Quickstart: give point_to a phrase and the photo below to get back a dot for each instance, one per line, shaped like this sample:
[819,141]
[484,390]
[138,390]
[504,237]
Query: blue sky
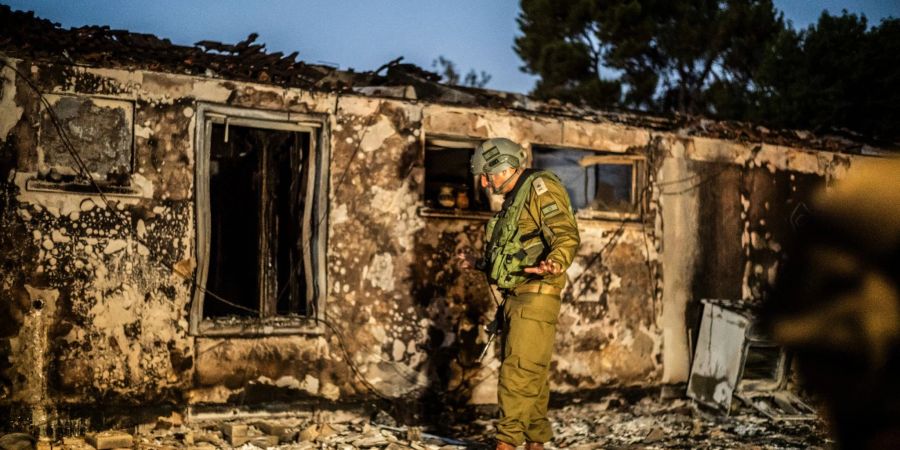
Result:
[364,34]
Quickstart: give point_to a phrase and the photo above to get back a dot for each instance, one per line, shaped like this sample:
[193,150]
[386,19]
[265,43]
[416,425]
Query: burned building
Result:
[257,228]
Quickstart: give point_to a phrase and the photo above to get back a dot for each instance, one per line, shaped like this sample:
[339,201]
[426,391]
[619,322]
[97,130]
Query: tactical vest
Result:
[508,251]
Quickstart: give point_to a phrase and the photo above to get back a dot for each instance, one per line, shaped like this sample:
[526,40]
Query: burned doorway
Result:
[257,237]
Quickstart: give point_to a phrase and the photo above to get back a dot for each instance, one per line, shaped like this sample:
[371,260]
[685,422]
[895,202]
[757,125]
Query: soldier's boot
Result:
[504,446]
[534,445]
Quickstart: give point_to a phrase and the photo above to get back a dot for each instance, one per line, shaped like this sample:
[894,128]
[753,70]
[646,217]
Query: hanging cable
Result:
[83,169]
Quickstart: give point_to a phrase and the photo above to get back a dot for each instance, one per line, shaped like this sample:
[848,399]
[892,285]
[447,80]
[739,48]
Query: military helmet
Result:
[494,155]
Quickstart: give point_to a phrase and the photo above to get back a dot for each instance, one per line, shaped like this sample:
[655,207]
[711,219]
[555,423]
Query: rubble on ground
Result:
[621,419]
[651,423]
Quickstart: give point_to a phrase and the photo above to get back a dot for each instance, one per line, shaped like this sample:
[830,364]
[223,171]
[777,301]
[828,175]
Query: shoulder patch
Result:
[550,210]
[539,186]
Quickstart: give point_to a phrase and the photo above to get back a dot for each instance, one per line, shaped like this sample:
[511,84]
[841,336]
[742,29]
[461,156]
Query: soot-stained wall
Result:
[729,213]
[94,305]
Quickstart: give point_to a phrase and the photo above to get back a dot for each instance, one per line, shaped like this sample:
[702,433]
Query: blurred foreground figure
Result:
[837,304]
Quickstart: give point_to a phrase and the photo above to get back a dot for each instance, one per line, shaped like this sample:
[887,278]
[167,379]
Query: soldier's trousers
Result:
[524,388]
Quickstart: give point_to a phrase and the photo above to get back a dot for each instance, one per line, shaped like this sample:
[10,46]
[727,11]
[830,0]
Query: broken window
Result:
[598,184]
[100,130]
[257,203]
[449,183]
[764,362]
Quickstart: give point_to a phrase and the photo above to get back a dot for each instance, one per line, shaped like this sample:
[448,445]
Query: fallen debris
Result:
[236,433]
[734,359]
[109,439]
[415,434]
[74,442]
[636,418]
[173,420]
[17,441]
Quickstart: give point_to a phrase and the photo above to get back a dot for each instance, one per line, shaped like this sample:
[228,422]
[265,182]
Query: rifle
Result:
[495,326]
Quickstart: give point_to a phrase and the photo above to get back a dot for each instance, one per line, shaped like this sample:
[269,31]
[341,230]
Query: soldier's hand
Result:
[546,267]
[465,260]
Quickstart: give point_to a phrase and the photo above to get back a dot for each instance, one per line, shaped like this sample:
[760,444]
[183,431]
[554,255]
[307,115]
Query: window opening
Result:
[595,182]
[234,217]
[449,184]
[258,245]
[614,187]
[257,197]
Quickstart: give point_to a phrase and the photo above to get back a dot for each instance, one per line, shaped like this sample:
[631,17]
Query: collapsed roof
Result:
[26,36]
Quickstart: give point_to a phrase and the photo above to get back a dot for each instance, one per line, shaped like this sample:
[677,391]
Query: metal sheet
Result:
[718,358]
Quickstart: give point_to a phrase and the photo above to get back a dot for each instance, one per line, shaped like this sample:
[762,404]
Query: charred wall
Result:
[93,306]
[719,191]
[730,214]
[775,206]
[96,313]
[608,329]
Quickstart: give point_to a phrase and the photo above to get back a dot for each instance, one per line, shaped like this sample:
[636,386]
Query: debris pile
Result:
[618,421]
[300,430]
[645,419]
[25,35]
[639,418]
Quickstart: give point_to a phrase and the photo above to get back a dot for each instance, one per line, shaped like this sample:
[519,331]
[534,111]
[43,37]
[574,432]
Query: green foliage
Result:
[731,59]
[450,75]
[656,54]
[560,44]
[837,74]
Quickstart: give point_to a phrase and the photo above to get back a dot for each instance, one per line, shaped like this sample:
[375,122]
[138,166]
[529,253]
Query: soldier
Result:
[529,245]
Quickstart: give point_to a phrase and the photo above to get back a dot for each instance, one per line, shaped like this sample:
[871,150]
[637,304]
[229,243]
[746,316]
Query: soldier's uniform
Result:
[536,224]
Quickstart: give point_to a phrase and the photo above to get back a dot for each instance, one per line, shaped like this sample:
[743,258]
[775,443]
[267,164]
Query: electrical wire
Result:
[651,281]
[85,172]
[610,244]
[617,233]
[688,178]
[359,138]
[703,180]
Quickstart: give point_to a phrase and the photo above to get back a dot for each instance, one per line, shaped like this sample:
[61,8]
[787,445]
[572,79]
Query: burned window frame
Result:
[431,140]
[71,180]
[639,180]
[314,229]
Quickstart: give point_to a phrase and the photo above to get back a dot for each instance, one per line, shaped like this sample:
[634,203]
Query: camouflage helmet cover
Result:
[494,155]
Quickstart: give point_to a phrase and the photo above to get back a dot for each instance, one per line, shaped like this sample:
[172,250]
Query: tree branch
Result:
[595,51]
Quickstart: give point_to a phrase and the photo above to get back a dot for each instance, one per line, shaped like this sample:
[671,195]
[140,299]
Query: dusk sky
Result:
[363,35]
